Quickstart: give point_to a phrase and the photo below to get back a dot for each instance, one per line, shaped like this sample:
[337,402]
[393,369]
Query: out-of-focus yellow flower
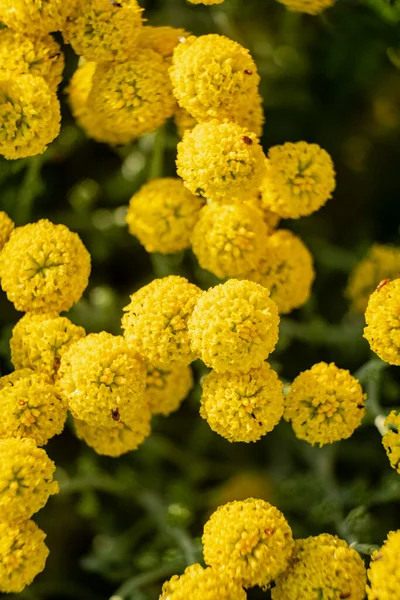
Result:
[383,322]
[35,17]
[312,7]
[183,121]
[161,39]
[202,584]
[391,440]
[209,2]
[167,388]
[6,227]
[384,573]
[242,485]
[118,439]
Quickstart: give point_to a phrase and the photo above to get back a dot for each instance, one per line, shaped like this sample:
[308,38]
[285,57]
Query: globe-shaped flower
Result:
[221,161]
[6,227]
[248,540]
[30,407]
[391,439]
[161,39]
[44,267]
[23,555]
[156,321]
[26,478]
[300,178]
[325,404]
[103,381]
[383,322]
[162,215]
[166,389]
[322,567]
[35,18]
[234,326]
[312,7]
[29,115]
[117,440]
[383,573]
[202,584]
[242,407]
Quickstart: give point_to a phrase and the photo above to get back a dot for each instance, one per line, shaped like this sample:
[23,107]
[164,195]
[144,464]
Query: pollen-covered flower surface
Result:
[197,583]
[234,326]
[383,322]
[391,440]
[44,267]
[242,407]
[167,388]
[300,178]
[325,404]
[6,227]
[322,567]
[35,17]
[162,39]
[383,572]
[23,554]
[311,7]
[118,439]
[249,540]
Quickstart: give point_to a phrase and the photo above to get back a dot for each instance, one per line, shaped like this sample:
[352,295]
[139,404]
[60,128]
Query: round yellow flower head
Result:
[202,584]
[44,267]
[221,161]
[286,269]
[161,39]
[30,407]
[391,439]
[322,567]
[101,30]
[311,7]
[242,407]
[134,97]
[228,240]
[249,540]
[39,341]
[117,440]
[35,18]
[166,389]
[300,178]
[6,227]
[381,262]
[156,321]
[213,77]
[162,215]
[103,381]
[384,573]
[29,115]
[23,555]
[183,121]
[241,485]
[383,321]
[26,478]
[325,404]
[234,326]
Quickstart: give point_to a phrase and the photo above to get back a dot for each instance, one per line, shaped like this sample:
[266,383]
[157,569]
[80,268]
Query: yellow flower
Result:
[23,555]
[183,121]
[167,388]
[35,17]
[300,178]
[286,269]
[234,326]
[242,407]
[202,584]
[383,322]
[162,215]
[30,407]
[156,321]
[249,540]
[6,227]
[209,2]
[29,115]
[228,240]
[325,404]
[391,440]
[161,39]
[26,478]
[101,30]
[44,267]
[242,485]
[384,573]
[271,219]
[39,341]
[381,262]
[117,440]
[103,381]
[312,7]
[221,161]
[322,567]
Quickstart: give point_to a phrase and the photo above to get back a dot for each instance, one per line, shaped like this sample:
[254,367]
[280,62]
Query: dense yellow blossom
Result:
[39,341]
[161,39]
[118,439]
[221,161]
[134,97]
[286,269]
[44,267]
[322,567]
[101,30]
[35,17]
[234,326]
[271,219]
[300,178]
[30,407]
[242,407]
[312,7]
[162,215]
[228,240]
[103,381]
[381,262]
[23,555]
[6,227]
[249,540]
[202,584]
[391,439]
[156,321]
[384,572]
[26,478]
[383,322]
[29,115]
[167,388]
[325,404]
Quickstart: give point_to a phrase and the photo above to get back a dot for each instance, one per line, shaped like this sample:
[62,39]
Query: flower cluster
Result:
[383,321]
[383,573]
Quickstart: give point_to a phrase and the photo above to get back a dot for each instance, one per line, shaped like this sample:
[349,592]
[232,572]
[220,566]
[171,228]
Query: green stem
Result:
[135,583]
[367,549]
[28,190]
[157,156]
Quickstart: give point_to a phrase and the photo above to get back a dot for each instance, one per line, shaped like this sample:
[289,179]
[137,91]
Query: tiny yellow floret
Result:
[391,440]
[383,322]
[197,583]
[384,572]
[117,440]
[166,389]
[35,17]
[6,227]
[311,7]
